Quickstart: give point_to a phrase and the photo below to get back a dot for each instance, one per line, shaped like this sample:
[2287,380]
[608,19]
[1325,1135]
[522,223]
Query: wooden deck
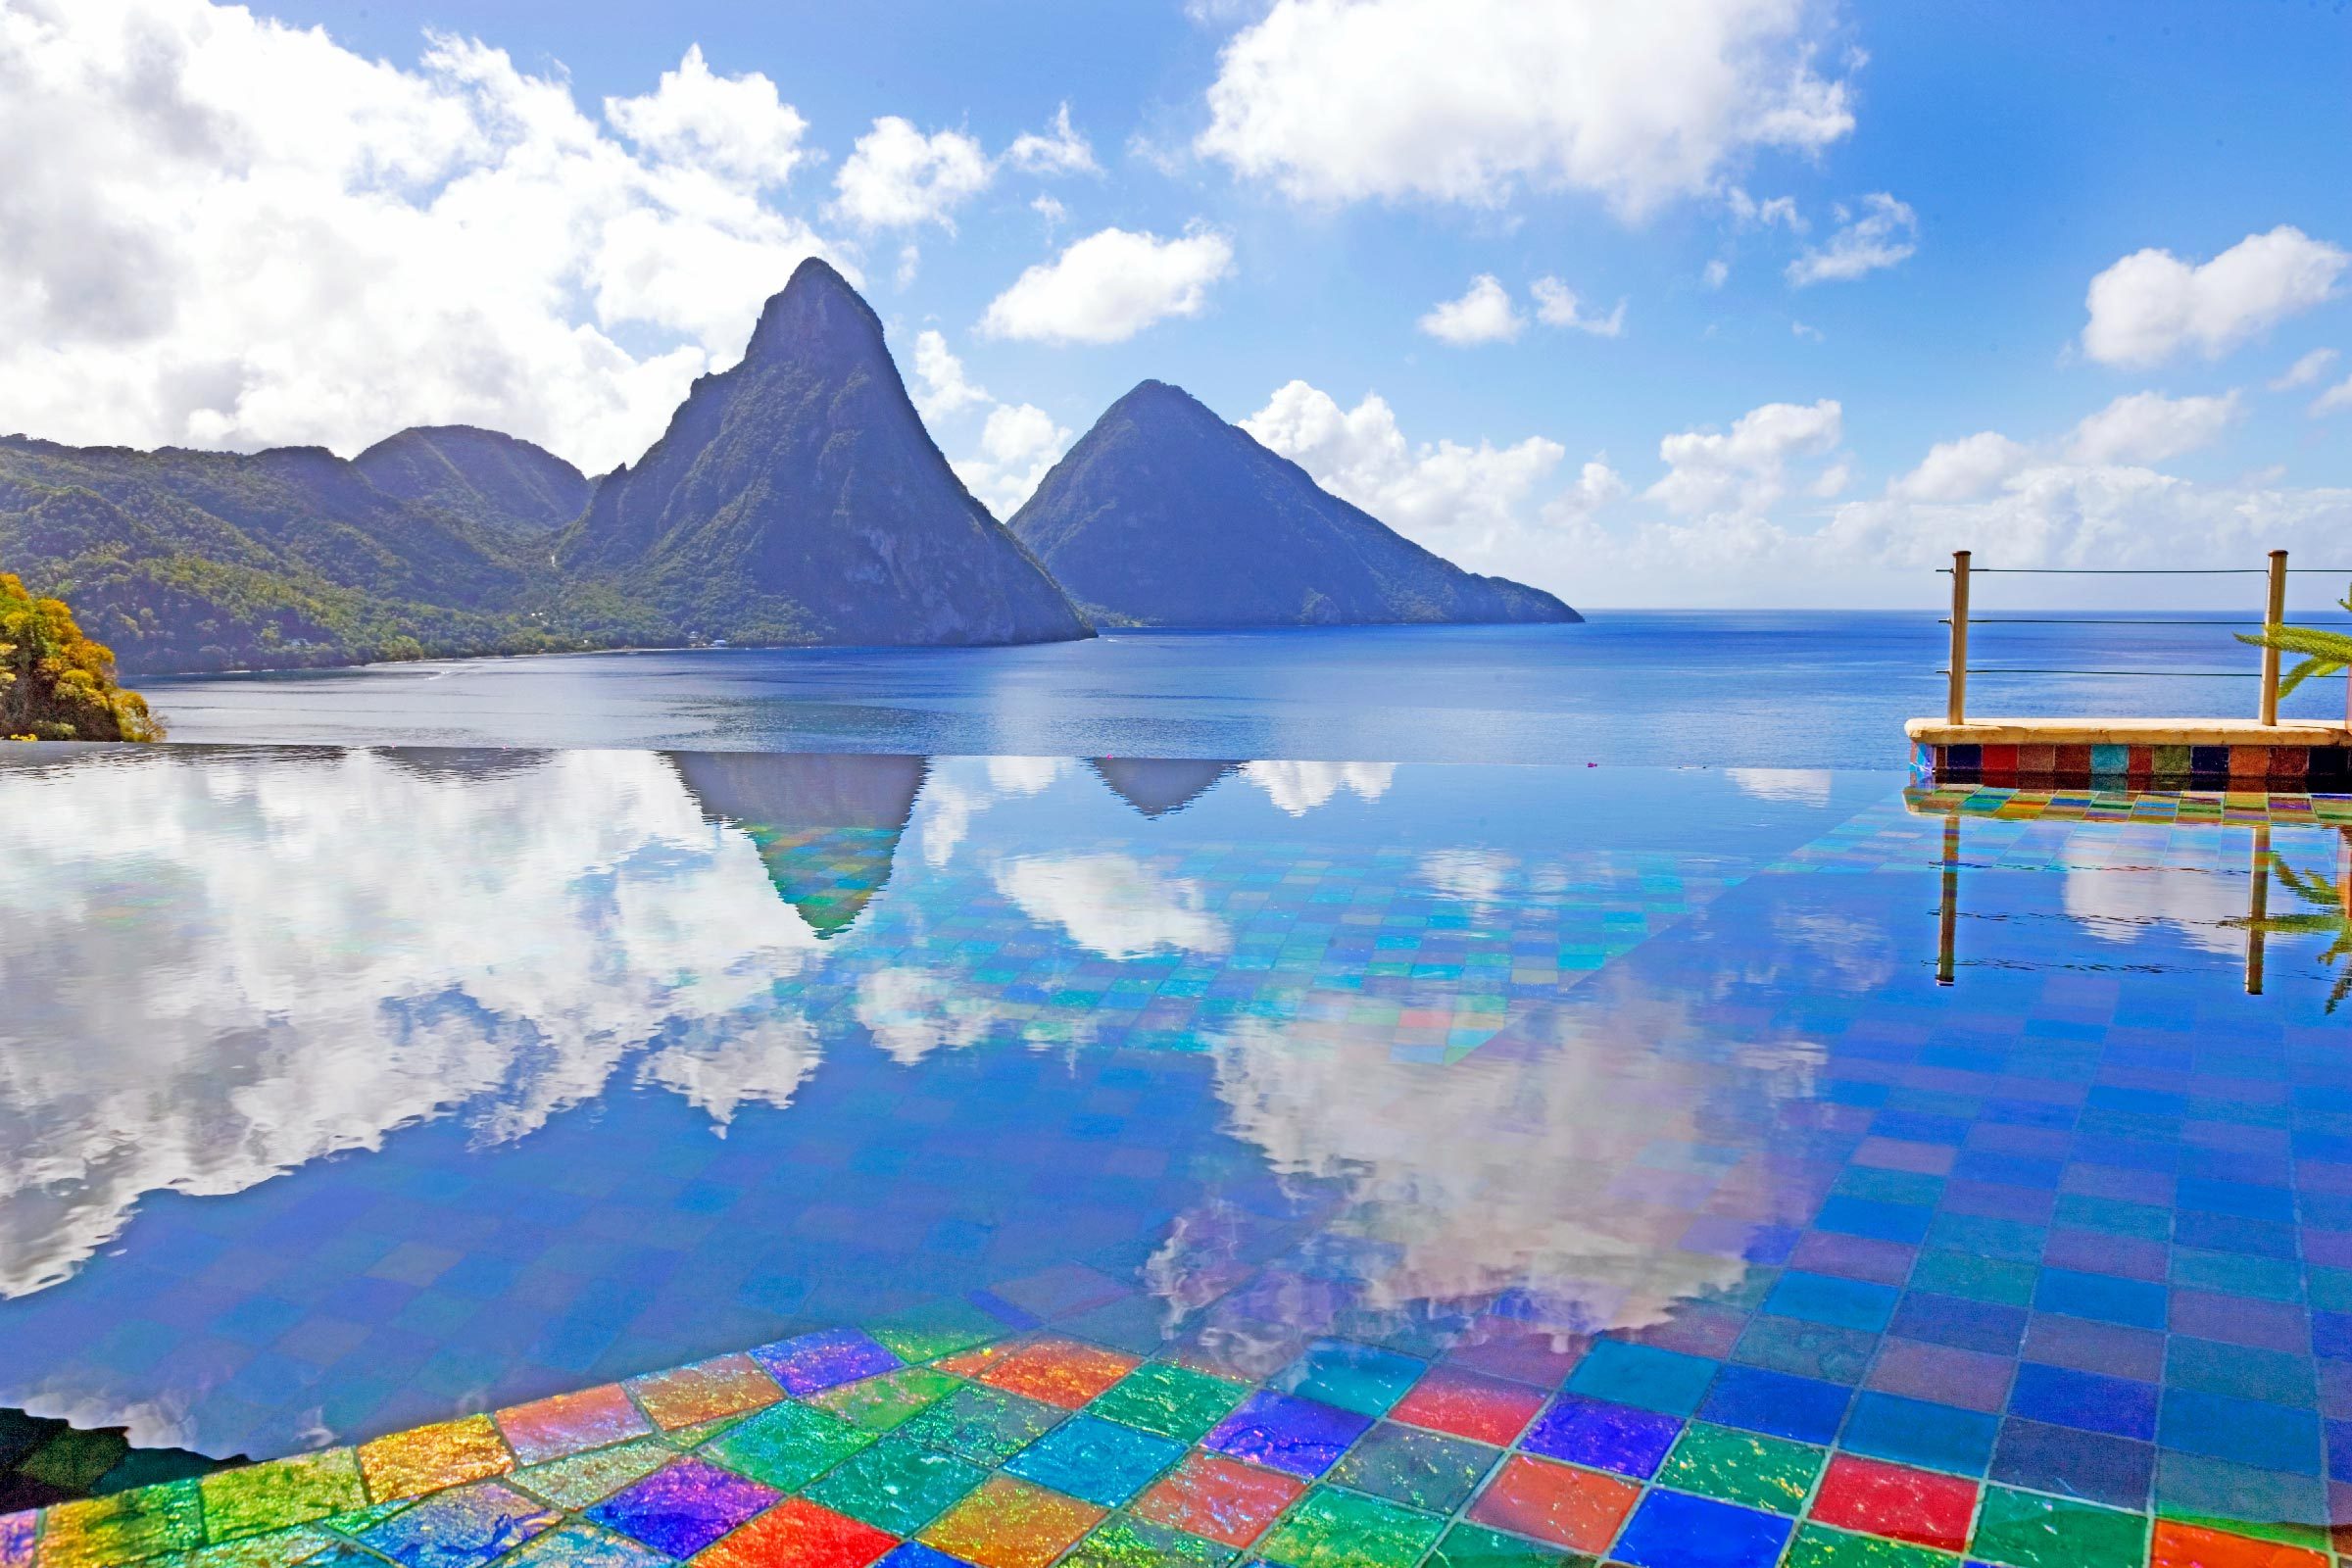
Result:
[2125,732]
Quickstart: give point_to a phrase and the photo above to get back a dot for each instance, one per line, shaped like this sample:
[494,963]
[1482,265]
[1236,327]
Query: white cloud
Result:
[911,262]
[1556,304]
[1052,212]
[1466,100]
[226,231]
[1963,470]
[1482,315]
[1061,150]
[1746,471]
[1298,788]
[898,177]
[2305,370]
[1018,447]
[1459,500]
[1748,213]
[1717,274]
[2151,305]
[1885,235]
[2149,428]
[1800,329]
[1109,287]
[2335,400]
[942,388]
[731,124]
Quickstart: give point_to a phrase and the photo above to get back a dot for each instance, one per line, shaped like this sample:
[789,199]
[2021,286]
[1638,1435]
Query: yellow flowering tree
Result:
[57,684]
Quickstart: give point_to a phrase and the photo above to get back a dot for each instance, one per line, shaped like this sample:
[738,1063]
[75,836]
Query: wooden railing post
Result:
[1955,706]
[2273,619]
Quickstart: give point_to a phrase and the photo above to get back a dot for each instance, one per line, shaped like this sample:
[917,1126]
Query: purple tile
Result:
[814,1362]
[2109,1349]
[1303,1436]
[1855,1258]
[16,1539]
[1603,1436]
[1942,1374]
[2251,1321]
[2101,1254]
[683,1508]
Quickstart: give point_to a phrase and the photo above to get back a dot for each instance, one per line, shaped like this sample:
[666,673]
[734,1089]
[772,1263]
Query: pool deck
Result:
[2125,732]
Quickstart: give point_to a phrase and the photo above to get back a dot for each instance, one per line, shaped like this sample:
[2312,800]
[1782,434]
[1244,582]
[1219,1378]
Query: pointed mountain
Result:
[827,828]
[504,484]
[797,498]
[1159,785]
[1163,514]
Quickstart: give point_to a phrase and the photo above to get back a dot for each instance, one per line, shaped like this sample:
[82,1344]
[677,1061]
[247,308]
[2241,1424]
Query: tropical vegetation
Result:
[56,684]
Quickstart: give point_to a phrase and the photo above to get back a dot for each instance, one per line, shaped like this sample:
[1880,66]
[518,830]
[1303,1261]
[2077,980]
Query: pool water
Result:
[1131,1161]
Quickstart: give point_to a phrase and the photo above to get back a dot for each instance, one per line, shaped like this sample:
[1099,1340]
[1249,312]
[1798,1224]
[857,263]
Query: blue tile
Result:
[2062,1396]
[1826,1299]
[1674,1530]
[2248,1432]
[2073,1463]
[1776,1403]
[2102,1298]
[1098,1460]
[1960,1323]
[1915,1432]
[1602,1436]
[1643,1375]
[1886,1222]
[462,1528]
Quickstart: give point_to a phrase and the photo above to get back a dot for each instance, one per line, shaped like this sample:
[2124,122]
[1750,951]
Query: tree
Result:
[57,684]
[2324,652]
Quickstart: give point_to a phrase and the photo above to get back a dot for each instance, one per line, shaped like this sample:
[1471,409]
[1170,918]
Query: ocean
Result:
[1656,688]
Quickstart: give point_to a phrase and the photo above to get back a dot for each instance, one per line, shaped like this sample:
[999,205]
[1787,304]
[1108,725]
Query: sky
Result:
[1691,303]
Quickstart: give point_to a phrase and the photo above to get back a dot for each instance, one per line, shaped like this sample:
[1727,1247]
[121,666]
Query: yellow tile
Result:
[410,1464]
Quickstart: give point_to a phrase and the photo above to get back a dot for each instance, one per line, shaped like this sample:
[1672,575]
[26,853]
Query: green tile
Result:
[895,1484]
[2331,1289]
[983,1425]
[1889,1186]
[1805,1350]
[1172,1401]
[1976,1277]
[579,1479]
[1122,1542]
[1423,1470]
[2194,1485]
[1820,1546]
[1469,1547]
[122,1528]
[1740,1467]
[280,1494]
[941,1328]
[787,1445]
[2025,1529]
[1333,1529]
[879,1404]
[271,1549]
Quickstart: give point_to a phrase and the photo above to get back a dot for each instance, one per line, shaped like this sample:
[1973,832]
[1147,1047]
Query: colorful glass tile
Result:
[1423,1470]
[1175,1402]
[1100,1461]
[1226,1502]
[1334,1529]
[1603,1436]
[462,1527]
[1285,1433]
[1742,1468]
[1556,1502]
[787,1445]
[1011,1524]
[683,1508]
[801,1535]
[1481,1409]
[1676,1529]
[823,1359]
[1885,1500]
[1062,1372]
[878,1404]
[724,1386]
[280,1494]
[566,1423]
[895,1484]
[410,1464]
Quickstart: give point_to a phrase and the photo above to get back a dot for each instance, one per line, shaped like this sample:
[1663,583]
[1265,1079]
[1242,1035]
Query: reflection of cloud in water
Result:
[1560,1164]
[1800,786]
[955,796]
[1114,904]
[1299,787]
[219,968]
[1476,878]
[2115,895]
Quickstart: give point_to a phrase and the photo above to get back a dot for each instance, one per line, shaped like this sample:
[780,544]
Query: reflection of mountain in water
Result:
[826,827]
[1156,786]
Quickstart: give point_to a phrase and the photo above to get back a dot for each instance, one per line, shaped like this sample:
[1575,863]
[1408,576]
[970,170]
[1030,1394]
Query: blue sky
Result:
[1295,204]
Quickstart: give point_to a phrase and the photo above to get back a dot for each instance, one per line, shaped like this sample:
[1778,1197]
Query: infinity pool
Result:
[1148,1161]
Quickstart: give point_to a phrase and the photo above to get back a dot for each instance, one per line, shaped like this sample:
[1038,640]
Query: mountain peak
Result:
[816,304]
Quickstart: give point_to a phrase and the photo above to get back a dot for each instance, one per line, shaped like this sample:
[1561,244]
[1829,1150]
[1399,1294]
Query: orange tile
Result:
[799,1533]
[1059,1372]
[687,1395]
[1011,1524]
[410,1464]
[1220,1498]
[1572,1508]
[571,1423]
[2179,1545]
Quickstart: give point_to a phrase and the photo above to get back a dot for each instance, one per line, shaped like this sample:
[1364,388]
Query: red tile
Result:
[1059,1372]
[2040,760]
[2179,1545]
[1566,1507]
[2140,760]
[1889,1500]
[2074,762]
[2290,761]
[1219,1498]
[2000,760]
[799,1533]
[1468,1406]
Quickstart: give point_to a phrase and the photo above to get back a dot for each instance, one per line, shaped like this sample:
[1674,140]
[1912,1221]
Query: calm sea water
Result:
[1792,689]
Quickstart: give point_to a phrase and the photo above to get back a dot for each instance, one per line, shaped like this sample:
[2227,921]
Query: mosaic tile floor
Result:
[1931,1185]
